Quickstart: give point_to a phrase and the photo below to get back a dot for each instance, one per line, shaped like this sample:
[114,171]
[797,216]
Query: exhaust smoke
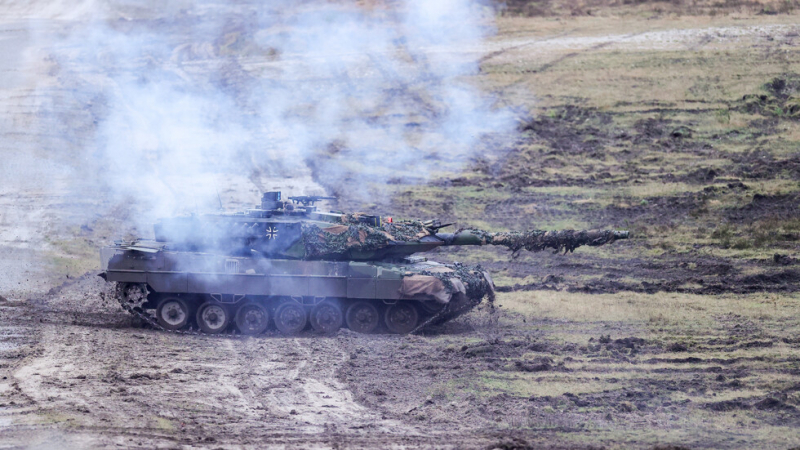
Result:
[163,109]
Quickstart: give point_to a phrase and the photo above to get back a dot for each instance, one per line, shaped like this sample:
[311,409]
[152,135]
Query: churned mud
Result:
[77,371]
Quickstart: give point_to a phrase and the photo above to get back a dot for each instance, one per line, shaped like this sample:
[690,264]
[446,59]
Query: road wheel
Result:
[172,313]
[363,317]
[327,317]
[252,319]
[212,317]
[290,318]
[401,318]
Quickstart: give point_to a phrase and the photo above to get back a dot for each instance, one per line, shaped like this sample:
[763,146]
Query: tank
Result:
[289,265]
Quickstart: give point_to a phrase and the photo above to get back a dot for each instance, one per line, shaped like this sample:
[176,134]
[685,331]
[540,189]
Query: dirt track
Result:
[79,373]
[99,375]
[76,372]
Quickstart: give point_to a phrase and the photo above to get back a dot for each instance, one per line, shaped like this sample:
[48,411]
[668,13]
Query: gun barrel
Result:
[621,234]
[535,240]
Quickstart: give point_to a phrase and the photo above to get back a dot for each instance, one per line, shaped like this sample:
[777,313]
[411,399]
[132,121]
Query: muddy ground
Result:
[678,126]
[79,373]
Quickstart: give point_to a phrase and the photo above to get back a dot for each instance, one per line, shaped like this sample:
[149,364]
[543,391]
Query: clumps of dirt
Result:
[784,281]
[761,165]
[665,133]
[570,129]
[553,139]
[785,260]
[549,8]
[691,273]
[510,443]
[539,364]
[703,175]
[762,207]
[677,347]
[653,211]
[738,185]
[619,348]
[765,404]
[550,283]
[783,278]
[728,405]
[496,348]
[673,136]
[781,100]
[565,132]
[772,404]
[756,344]
[444,382]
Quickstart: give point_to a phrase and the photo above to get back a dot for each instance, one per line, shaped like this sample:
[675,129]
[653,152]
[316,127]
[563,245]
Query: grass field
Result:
[683,127]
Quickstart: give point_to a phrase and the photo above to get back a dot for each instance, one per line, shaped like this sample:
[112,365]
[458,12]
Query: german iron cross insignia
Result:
[272,233]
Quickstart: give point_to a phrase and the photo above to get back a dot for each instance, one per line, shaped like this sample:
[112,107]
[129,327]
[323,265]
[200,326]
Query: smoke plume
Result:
[165,106]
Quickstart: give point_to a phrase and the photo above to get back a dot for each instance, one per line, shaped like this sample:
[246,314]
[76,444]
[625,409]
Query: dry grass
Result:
[527,385]
[660,308]
[645,8]
[630,69]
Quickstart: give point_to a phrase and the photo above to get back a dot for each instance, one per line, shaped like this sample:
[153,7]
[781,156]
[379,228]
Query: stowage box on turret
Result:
[288,264]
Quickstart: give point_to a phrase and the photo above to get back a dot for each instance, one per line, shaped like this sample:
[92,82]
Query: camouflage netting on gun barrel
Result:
[339,239]
[538,240]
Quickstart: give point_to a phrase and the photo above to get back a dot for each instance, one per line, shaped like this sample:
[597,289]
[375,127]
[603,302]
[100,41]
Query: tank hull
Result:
[405,295]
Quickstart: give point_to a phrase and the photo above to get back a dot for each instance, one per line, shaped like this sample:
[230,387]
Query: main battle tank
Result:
[287,263]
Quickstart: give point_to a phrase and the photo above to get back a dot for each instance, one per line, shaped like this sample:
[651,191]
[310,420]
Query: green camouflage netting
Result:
[353,235]
[474,278]
[339,239]
[538,240]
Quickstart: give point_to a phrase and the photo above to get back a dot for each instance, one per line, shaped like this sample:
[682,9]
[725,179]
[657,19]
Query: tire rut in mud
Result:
[116,384]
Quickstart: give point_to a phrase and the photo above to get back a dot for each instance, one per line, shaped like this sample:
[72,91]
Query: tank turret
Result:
[297,230]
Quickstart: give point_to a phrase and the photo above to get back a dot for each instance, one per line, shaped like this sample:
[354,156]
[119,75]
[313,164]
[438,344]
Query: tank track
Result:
[135,309]
[142,315]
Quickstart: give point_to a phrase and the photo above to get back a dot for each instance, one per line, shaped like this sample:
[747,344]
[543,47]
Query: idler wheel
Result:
[134,295]
[290,318]
[431,307]
[362,317]
[172,313]
[212,317]
[401,318]
[327,317]
[252,319]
